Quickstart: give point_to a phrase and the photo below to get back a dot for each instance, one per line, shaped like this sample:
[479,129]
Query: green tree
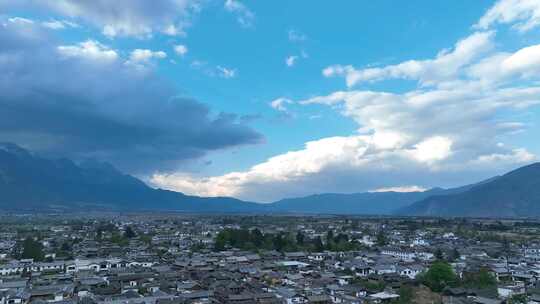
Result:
[518,299]
[147,239]
[454,255]
[406,294]
[300,238]
[32,250]
[439,275]
[257,238]
[330,236]
[221,240]
[318,244]
[381,238]
[129,233]
[330,240]
[118,239]
[439,254]
[482,279]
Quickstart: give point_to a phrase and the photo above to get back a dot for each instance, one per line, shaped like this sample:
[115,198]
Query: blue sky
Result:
[401,95]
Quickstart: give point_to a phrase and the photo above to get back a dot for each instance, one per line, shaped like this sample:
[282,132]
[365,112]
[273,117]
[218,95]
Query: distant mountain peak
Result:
[514,194]
[32,183]
[92,163]
[531,168]
[14,149]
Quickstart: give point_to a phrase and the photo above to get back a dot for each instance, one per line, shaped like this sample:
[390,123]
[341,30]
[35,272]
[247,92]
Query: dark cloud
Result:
[135,18]
[94,106]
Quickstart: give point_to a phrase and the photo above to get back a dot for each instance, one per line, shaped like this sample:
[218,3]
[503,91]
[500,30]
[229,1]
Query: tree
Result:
[32,250]
[257,237]
[300,238]
[518,299]
[439,275]
[129,233]
[330,240]
[66,247]
[454,255]
[318,244]
[147,239]
[221,240]
[439,254]
[406,294]
[482,279]
[381,238]
[278,242]
[330,236]
[118,239]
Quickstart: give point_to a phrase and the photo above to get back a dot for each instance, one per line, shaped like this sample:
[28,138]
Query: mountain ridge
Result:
[32,183]
[28,182]
[514,194]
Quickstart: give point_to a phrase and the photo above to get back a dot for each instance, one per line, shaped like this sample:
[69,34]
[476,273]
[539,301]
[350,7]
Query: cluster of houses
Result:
[163,265]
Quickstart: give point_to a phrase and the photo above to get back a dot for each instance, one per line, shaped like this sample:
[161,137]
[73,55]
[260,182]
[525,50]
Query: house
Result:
[402,254]
[381,269]
[410,271]
[507,291]
[319,299]
[290,296]
[15,267]
[383,297]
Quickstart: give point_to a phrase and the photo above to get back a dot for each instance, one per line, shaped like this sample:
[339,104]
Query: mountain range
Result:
[32,183]
[29,183]
[515,194]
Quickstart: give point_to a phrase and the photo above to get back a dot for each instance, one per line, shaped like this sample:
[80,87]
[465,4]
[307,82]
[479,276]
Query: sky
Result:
[263,100]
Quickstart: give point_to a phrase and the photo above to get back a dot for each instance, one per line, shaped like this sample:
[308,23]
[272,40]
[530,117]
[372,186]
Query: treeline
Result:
[440,275]
[111,233]
[254,239]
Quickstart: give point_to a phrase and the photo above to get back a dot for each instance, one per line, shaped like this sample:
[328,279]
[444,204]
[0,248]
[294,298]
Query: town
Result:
[240,259]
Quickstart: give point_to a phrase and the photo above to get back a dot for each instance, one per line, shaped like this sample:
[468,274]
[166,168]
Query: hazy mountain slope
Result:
[383,203]
[516,193]
[28,182]
[31,183]
[357,203]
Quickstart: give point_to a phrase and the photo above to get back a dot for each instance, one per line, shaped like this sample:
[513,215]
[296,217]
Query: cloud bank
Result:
[449,129]
[84,100]
[121,18]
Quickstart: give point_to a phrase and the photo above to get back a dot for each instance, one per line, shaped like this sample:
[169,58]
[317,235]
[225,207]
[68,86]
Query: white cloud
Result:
[432,149]
[180,49]
[416,134]
[524,15]
[516,156]
[524,61]
[450,129]
[59,24]
[20,20]
[175,30]
[290,61]
[444,67]
[89,49]
[226,72]
[214,71]
[244,15]
[144,55]
[412,188]
[279,104]
[505,67]
[296,36]
[133,18]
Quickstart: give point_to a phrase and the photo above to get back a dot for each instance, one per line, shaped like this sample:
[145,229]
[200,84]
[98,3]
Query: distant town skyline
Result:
[262,100]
